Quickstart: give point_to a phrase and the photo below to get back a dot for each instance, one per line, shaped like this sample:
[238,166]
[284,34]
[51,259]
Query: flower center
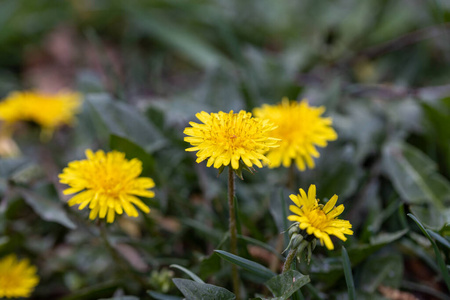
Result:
[318,218]
[110,180]
[9,281]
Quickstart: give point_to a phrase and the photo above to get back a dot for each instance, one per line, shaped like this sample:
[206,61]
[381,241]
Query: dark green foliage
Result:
[145,68]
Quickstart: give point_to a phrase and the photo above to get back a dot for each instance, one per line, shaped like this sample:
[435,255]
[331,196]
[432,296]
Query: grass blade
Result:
[439,258]
[348,274]
[188,272]
[249,265]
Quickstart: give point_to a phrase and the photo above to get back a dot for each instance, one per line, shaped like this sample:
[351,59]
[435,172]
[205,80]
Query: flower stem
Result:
[291,177]
[233,231]
[292,253]
[289,260]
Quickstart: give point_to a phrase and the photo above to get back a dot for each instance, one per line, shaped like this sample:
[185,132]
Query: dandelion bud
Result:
[296,240]
[293,230]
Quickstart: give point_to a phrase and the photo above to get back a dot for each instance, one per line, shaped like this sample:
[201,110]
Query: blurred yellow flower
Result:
[300,128]
[47,110]
[226,138]
[17,278]
[317,219]
[109,183]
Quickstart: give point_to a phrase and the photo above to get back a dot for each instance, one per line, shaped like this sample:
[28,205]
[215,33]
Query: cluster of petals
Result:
[17,277]
[300,128]
[317,219]
[108,184]
[228,138]
[47,110]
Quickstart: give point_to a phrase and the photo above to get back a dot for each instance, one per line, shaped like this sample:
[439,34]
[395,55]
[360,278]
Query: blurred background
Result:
[380,67]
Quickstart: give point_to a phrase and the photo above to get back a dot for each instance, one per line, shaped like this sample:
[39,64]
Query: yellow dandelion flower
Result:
[17,278]
[300,128]
[317,219]
[47,110]
[227,138]
[108,183]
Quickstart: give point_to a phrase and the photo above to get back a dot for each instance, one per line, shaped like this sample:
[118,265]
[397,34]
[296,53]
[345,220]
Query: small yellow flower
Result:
[227,138]
[47,110]
[108,183]
[17,278]
[300,128]
[317,219]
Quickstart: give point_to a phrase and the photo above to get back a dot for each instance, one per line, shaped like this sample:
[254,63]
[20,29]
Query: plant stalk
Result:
[289,260]
[233,232]
[292,254]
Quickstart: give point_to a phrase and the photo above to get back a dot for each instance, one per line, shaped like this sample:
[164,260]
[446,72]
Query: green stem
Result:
[289,260]
[291,177]
[292,253]
[233,231]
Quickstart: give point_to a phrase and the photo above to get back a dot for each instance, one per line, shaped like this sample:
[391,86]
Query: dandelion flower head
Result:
[228,138]
[47,110]
[318,219]
[301,128]
[108,183]
[17,278]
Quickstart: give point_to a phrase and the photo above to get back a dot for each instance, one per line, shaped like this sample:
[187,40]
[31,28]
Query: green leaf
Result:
[47,209]
[284,285]
[121,298]
[159,296]
[133,150]
[9,166]
[260,244]
[348,274]
[251,266]
[197,291]
[384,270]
[210,265]
[94,292]
[387,238]
[279,203]
[415,176]
[439,238]
[360,252]
[440,260]
[431,216]
[186,42]
[124,120]
[188,272]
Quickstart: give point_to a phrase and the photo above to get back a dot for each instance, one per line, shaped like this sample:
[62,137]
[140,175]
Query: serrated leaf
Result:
[248,265]
[124,120]
[47,209]
[198,291]
[284,285]
[415,176]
